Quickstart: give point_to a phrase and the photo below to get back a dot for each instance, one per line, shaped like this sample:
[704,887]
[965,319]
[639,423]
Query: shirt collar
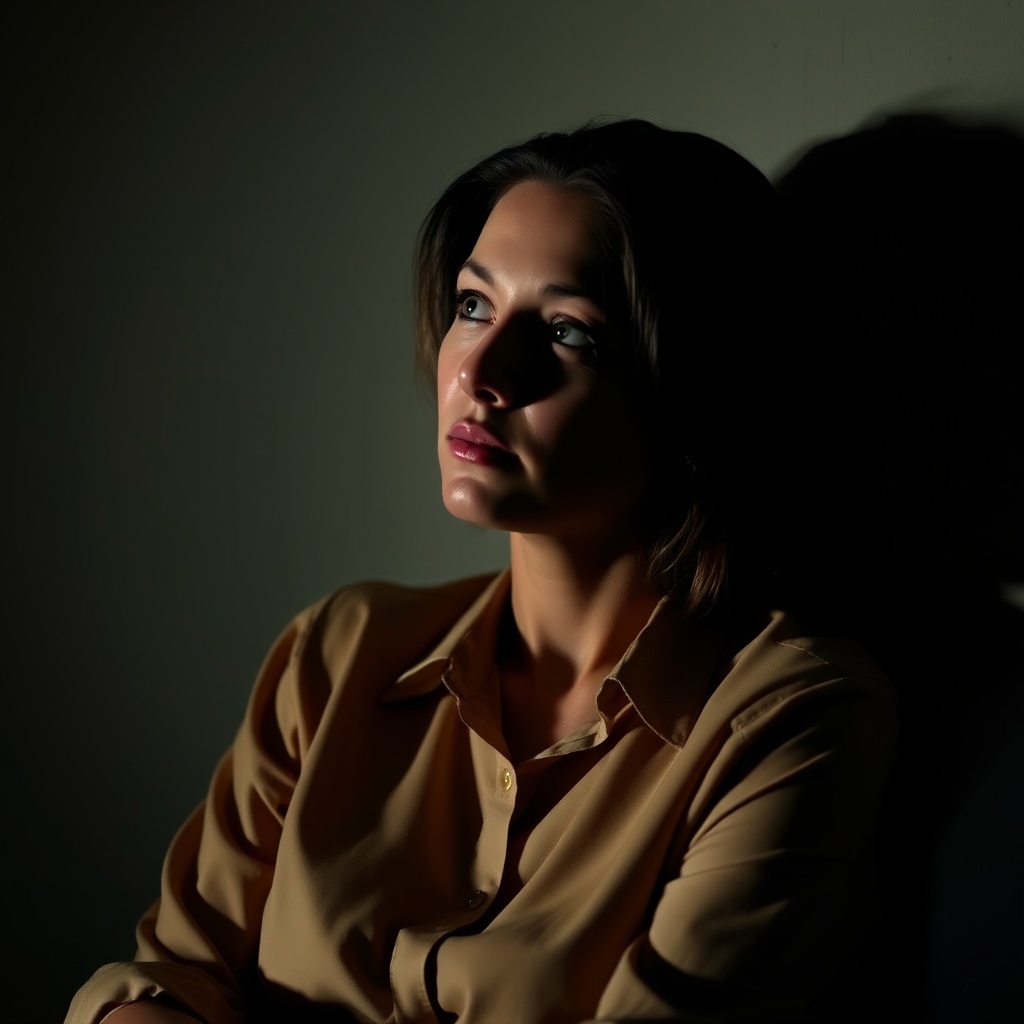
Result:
[475,630]
[667,672]
[670,669]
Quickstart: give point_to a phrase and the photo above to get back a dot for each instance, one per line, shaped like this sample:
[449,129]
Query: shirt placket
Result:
[496,788]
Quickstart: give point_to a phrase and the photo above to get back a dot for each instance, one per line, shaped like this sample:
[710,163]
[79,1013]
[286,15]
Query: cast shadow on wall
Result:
[912,271]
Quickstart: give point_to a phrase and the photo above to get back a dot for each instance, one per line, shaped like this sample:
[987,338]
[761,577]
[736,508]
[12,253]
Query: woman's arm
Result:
[773,906]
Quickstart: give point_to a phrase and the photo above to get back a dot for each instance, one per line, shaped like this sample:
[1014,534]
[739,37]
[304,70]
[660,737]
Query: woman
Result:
[618,780]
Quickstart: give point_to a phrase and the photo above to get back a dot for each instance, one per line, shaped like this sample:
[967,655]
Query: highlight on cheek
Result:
[450,389]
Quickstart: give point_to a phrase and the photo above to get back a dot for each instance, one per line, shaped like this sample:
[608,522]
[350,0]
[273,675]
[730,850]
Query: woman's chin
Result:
[467,501]
[510,510]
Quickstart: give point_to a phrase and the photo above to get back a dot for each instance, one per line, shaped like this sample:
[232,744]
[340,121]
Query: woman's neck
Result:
[573,614]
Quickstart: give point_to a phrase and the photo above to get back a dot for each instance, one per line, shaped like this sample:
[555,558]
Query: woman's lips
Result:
[473,442]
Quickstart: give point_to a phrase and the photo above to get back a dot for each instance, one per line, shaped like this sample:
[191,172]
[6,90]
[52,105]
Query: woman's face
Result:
[538,430]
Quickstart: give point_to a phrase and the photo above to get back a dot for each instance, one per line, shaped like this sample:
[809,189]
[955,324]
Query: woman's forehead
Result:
[542,232]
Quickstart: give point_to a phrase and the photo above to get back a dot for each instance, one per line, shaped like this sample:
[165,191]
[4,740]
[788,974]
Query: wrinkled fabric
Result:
[701,851]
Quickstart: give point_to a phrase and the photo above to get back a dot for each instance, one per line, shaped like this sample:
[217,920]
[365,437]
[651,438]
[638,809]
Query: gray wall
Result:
[208,219]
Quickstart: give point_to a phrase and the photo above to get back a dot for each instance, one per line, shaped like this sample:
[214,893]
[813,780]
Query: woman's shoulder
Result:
[382,621]
[385,604]
[777,664]
[789,639]
[341,653]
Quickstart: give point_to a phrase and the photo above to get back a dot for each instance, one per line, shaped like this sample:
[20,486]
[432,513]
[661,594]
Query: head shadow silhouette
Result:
[911,272]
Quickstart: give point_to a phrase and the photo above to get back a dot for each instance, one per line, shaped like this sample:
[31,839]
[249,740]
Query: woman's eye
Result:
[571,335]
[473,307]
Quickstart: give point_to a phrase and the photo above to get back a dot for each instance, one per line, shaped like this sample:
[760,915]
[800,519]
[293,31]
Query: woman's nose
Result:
[489,371]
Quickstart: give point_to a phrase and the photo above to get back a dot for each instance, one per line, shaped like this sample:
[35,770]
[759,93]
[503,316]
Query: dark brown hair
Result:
[691,237]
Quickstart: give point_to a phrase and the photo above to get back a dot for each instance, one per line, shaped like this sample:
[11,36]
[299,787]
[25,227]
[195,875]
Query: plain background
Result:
[208,218]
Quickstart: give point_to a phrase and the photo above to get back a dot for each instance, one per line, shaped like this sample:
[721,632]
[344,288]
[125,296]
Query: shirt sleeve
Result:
[773,903]
[197,944]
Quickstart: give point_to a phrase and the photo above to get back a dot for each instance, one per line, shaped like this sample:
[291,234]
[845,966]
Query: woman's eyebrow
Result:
[567,290]
[478,269]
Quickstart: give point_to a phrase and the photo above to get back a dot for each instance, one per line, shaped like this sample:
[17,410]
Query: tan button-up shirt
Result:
[367,851]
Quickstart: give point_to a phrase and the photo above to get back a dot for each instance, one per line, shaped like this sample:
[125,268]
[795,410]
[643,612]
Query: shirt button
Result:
[475,899]
[506,779]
